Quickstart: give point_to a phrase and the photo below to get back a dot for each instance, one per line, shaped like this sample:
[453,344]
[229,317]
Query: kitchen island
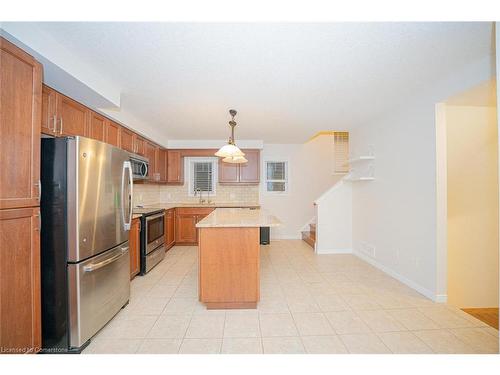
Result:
[229,257]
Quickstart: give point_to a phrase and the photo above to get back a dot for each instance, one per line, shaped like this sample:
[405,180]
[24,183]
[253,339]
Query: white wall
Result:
[472,166]
[397,212]
[310,175]
[334,220]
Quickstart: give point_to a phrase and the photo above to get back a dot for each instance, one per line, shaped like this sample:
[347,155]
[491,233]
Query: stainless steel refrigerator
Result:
[86,211]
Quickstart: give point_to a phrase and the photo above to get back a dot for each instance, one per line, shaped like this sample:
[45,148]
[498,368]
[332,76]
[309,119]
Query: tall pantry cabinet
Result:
[20,122]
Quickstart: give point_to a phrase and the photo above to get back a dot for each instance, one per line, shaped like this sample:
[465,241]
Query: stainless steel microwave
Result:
[140,167]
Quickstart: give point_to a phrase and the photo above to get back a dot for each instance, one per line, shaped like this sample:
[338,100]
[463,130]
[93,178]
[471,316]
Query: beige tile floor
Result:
[309,304]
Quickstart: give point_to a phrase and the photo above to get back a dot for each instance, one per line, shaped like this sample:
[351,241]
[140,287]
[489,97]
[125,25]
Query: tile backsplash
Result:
[145,194]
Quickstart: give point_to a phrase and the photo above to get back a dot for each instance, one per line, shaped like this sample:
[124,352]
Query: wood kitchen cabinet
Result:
[170,228]
[64,116]
[186,218]
[113,133]
[151,154]
[97,126]
[127,140]
[161,165]
[134,247]
[175,167]
[20,119]
[72,117]
[247,173]
[140,145]
[20,300]
[48,111]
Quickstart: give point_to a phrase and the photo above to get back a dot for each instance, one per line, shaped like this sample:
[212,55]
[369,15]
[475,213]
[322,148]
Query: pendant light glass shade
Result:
[229,150]
[235,159]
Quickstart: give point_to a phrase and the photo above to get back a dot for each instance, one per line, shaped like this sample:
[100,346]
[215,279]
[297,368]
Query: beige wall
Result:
[310,167]
[472,166]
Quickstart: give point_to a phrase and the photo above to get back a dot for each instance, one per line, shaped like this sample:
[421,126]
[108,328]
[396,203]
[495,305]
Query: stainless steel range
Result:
[152,237]
[86,210]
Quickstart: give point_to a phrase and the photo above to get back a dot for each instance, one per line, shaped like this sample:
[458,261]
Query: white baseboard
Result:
[441,298]
[286,237]
[333,251]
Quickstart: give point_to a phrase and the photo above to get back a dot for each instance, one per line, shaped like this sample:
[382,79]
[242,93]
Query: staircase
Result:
[310,236]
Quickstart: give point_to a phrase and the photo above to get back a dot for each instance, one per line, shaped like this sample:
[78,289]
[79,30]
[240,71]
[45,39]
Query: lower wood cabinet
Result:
[186,232]
[20,309]
[134,247]
[170,228]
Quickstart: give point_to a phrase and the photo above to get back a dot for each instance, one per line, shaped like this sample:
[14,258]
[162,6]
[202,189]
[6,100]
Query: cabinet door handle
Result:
[61,129]
[39,216]
[39,185]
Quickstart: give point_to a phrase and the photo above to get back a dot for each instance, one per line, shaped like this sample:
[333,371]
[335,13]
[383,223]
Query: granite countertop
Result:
[170,205]
[238,218]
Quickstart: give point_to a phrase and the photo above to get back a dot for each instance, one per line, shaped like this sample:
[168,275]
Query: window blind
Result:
[276,177]
[202,177]
[341,152]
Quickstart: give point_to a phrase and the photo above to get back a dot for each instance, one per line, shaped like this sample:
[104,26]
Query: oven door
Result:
[155,231]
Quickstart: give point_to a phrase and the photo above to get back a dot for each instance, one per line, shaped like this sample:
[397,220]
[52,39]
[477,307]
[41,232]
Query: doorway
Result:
[467,152]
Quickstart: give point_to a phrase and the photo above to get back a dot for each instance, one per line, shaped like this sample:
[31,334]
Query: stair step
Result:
[309,239]
[312,227]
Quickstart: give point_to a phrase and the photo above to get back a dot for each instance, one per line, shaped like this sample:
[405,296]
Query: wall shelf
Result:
[354,179]
[359,159]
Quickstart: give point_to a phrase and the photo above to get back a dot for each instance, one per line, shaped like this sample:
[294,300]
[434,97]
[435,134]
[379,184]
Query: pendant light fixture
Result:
[230,152]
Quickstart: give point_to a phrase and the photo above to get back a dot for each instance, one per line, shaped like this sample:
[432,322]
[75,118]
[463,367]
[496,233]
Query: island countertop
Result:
[238,218]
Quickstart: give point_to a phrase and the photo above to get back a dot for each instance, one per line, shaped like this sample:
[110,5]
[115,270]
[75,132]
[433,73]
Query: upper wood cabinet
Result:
[97,126]
[20,119]
[175,167]
[20,299]
[127,140]
[140,145]
[49,117]
[250,172]
[151,154]
[247,173]
[228,172]
[112,133]
[161,166]
[73,117]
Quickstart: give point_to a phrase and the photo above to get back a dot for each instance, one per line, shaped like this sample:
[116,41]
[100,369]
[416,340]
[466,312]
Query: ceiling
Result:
[287,81]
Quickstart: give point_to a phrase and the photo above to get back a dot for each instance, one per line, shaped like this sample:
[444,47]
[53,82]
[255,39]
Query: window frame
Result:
[286,180]
[190,173]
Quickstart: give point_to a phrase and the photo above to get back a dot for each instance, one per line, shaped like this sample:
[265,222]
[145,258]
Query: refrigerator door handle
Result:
[127,224]
[95,266]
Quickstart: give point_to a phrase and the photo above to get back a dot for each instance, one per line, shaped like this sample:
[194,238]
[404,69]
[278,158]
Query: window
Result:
[341,152]
[202,175]
[277,176]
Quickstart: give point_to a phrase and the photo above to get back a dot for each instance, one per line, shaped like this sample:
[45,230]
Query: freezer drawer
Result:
[98,289]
